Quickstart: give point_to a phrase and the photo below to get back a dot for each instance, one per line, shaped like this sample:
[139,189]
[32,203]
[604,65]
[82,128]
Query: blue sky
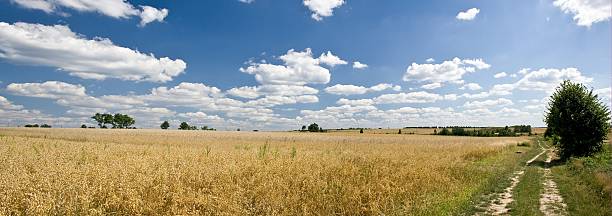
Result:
[276,65]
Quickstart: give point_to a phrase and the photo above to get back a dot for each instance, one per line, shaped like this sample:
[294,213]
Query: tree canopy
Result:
[165,125]
[578,122]
[314,127]
[117,120]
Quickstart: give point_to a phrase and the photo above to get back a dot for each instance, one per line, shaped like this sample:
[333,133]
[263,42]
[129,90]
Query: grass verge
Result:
[586,183]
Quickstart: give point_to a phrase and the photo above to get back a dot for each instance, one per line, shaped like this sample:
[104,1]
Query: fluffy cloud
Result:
[586,12]
[285,84]
[547,79]
[488,103]
[470,14]
[322,8]
[112,8]
[151,107]
[5,104]
[447,71]
[200,116]
[331,60]
[335,113]
[15,115]
[432,85]
[411,97]
[252,92]
[340,89]
[385,86]
[299,68]
[150,14]
[471,86]
[49,89]
[57,46]
[359,65]
[501,89]
[189,94]
[500,75]
[270,101]
[71,95]
[361,102]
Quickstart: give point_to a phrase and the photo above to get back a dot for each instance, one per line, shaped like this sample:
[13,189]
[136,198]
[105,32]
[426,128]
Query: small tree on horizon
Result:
[577,120]
[165,125]
[314,127]
[184,126]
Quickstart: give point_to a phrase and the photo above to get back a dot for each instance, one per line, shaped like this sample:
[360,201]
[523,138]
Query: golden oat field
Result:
[155,172]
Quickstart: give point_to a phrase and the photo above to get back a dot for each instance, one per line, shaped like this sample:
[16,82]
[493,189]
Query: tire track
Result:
[551,201]
[499,205]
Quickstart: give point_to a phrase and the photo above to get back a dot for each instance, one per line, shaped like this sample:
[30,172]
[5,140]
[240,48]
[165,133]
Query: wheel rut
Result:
[499,204]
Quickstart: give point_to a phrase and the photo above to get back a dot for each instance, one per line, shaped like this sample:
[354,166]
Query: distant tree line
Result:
[522,129]
[36,126]
[117,120]
[485,132]
[185,126]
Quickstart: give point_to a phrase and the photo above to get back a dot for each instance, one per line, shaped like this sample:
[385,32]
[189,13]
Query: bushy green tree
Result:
[165,125]
[122,121]
[577,120]
[184,126]
[314,127]
[117,120]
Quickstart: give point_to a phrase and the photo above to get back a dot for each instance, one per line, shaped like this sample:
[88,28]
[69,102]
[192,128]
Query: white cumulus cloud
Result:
[49,89]
[500,75]
[447,71]
[471,86]
[432,85]
[150,14]
[411,97]
[359,65]
[500,102]
[586,12]
[271,90]
[322,8]
[331,60]
[340,89]
[112,8]
[98,58]
[470,14]
[546,79]
[299,68]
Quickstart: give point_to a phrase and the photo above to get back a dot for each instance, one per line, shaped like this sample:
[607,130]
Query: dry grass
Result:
[88,171]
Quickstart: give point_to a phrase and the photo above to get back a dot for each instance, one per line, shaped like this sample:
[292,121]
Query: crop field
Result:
[95,172]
